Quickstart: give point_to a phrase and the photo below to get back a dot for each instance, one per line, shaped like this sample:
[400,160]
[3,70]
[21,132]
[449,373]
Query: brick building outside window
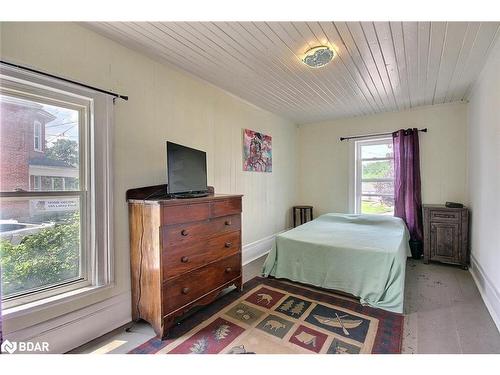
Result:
[28,130]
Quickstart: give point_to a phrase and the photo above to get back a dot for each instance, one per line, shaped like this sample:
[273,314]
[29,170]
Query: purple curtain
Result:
[1,335]
[407,195]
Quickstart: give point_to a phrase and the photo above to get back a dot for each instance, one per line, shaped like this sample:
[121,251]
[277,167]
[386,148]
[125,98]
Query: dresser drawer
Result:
[193,285]
[225,207]
[187,234]
[185,213]
[177,260]
[445,216]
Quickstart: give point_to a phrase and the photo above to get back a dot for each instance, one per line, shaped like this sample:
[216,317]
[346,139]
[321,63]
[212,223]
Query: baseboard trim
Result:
[79,327]
[258,248]
[489,293]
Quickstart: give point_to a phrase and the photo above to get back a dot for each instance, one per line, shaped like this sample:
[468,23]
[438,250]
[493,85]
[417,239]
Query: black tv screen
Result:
[187,169]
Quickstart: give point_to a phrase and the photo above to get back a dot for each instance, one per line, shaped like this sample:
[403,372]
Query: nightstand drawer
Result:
[438,215]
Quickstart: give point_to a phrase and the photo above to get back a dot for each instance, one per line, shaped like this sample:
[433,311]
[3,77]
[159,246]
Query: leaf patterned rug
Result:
[274,316]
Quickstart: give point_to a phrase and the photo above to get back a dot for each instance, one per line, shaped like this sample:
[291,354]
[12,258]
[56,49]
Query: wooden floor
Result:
[444,313]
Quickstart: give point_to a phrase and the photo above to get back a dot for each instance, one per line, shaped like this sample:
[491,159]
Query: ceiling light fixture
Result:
[319,56]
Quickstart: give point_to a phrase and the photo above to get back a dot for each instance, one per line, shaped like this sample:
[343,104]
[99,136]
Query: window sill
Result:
[45,303]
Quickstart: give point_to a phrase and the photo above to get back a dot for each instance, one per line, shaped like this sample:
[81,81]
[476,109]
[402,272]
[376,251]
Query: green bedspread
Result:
[364,255]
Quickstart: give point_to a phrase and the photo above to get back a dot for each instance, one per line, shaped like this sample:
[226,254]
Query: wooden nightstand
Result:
[446,235]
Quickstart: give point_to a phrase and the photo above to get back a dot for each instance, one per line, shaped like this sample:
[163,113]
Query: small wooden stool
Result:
[305,213]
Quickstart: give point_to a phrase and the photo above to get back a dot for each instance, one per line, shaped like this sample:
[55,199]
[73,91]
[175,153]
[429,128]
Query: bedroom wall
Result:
[484,182]
[326,165]
[165,104]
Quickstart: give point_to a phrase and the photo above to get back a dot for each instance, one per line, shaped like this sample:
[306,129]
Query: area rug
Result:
[277,317]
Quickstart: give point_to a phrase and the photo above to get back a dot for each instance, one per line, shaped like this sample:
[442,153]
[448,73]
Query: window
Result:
[37,135]
[36,183]
[374,177]
[54,231]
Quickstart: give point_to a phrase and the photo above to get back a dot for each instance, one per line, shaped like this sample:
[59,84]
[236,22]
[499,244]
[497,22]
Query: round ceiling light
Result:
[318,56]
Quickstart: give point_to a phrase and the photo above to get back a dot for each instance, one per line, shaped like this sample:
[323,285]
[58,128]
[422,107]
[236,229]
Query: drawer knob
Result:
[184,259]
[184,232]
[185,290]
[228,269]
[228,244]
[228,222]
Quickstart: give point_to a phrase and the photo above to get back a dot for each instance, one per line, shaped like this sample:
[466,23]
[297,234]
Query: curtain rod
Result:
[124,97]
[424,130]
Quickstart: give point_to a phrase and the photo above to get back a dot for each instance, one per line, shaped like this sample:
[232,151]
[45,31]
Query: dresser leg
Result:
[167,323]
[239,284]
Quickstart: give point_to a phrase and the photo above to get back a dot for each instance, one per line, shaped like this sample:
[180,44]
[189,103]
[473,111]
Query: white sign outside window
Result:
[50,205]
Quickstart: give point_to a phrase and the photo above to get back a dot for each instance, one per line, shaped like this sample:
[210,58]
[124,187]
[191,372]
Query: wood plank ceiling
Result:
[381,66]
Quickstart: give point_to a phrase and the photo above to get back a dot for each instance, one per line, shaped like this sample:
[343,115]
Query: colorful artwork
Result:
[257,152]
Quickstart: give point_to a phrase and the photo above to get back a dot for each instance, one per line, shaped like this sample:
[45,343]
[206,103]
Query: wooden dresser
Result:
[446,235]
[183,253]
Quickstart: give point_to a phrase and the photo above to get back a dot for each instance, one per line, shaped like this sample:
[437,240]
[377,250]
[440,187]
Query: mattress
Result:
[364,255]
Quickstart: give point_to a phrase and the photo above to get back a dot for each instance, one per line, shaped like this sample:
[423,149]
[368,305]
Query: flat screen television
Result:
[187,171]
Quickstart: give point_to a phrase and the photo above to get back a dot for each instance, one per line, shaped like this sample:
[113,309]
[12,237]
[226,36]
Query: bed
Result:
[363,255]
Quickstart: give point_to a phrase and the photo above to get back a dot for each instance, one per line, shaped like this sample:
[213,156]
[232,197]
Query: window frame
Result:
[46,95]
[36,186]
[357,175]
[96,240]
[37,135]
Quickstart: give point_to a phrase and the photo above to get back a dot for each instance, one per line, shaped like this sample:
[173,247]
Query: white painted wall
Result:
[165,104]
[325,168]
[484,182]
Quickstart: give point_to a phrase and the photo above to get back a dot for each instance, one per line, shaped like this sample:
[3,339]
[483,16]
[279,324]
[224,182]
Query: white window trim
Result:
[37,182]
[37,135]
[100,186]
[355,171]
